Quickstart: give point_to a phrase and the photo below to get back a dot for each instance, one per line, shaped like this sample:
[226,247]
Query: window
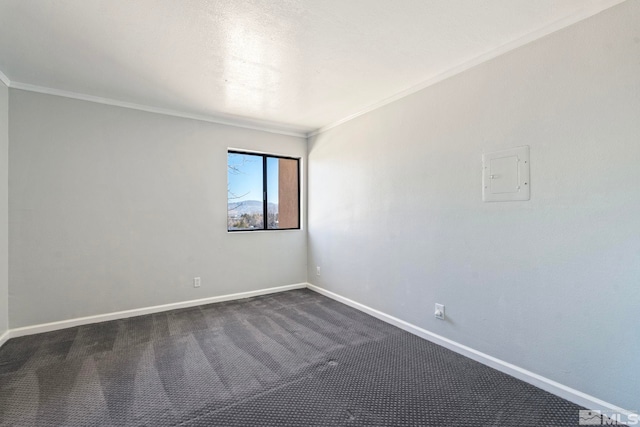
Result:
[263,192]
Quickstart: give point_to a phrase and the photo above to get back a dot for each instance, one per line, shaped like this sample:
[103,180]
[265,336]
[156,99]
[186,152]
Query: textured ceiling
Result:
[303,64]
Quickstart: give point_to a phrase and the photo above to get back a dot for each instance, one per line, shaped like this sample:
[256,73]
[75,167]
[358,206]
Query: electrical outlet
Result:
[317,270]
[196,282]
[439,313]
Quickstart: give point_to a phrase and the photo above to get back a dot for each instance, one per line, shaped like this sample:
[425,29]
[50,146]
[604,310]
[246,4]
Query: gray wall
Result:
[115,209]
[4,207]
[397,222]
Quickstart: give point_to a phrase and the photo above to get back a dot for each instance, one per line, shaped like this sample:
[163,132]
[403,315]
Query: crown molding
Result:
[4,79]
[221,119]
[581,15]
[301,132]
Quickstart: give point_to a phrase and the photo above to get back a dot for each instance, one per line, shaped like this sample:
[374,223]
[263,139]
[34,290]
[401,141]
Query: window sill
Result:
[264,231]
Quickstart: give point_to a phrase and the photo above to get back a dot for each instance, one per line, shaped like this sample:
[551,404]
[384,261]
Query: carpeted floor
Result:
[289,359]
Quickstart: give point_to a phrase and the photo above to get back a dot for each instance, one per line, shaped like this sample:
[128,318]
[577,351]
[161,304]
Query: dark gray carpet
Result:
[289,359]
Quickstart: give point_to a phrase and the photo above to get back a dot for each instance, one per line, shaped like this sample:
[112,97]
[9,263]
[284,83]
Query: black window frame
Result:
[265,191]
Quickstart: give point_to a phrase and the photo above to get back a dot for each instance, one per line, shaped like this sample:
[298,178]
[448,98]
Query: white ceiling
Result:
[300,64]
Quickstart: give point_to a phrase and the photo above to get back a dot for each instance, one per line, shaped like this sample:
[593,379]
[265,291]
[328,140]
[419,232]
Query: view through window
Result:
[263,192]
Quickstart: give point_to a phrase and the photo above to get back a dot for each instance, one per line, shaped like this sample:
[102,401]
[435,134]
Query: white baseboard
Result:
[4,338]
[539,381]
[568,393]
[54,326]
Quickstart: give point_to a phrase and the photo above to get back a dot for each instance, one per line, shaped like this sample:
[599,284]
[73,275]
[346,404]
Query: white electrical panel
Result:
[505,175]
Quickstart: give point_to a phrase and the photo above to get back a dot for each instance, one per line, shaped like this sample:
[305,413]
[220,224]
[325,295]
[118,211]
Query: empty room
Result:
[319,212]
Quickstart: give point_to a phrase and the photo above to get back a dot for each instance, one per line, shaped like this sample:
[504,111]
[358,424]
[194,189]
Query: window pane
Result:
[272,192]
[286,205]
[244,192]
